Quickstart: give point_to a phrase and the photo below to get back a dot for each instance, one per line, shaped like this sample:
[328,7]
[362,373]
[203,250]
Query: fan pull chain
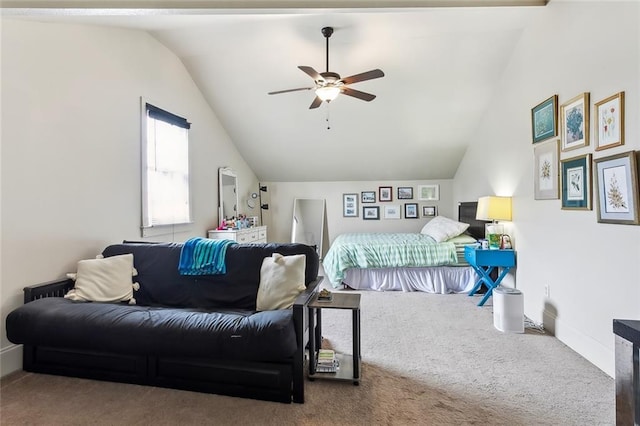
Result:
[327,119]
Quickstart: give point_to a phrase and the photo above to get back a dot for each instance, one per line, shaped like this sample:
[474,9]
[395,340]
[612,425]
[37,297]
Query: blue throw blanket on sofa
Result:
[201,256]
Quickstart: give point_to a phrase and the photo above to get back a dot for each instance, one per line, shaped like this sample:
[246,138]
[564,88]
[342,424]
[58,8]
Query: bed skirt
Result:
[441,279]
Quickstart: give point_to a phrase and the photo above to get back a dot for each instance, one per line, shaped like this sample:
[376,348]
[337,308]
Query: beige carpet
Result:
[427,360]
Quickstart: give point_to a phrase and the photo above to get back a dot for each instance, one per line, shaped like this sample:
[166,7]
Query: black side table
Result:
[349,369]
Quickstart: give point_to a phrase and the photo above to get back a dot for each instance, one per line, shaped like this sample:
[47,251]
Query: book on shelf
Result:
[326,354]
[326,361]
[328,367]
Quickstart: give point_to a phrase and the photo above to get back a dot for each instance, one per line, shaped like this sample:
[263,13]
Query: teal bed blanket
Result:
[202,256]
[385,250]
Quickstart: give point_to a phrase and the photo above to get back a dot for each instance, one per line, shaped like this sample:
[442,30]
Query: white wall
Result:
[71,148]
[592,269]
[282,195]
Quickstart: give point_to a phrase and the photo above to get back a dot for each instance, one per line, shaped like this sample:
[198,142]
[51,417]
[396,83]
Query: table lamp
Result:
[494,208]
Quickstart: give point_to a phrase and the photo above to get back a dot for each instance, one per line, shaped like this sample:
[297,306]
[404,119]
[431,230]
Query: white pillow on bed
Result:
[462,239]
[441,228]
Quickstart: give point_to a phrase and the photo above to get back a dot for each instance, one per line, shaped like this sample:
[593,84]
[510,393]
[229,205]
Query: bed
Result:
[405,262]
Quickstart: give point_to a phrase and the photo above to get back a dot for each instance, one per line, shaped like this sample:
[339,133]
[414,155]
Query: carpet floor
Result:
[427,360]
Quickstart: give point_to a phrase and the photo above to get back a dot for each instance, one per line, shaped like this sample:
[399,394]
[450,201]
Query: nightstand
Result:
[349,365]
[484,262]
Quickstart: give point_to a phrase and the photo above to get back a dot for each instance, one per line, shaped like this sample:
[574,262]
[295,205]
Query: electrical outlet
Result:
[547,291]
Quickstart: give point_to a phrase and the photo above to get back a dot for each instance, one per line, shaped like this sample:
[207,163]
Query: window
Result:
[165,168]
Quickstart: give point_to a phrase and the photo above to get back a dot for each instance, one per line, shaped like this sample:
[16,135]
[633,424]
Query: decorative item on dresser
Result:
[256,234]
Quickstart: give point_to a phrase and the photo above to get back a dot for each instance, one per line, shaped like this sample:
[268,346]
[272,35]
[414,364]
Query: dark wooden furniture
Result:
[627,354]
[467,214]
[349,365]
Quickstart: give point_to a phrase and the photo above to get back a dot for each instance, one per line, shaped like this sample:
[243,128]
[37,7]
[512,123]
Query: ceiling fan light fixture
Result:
[328,85]
[328,93]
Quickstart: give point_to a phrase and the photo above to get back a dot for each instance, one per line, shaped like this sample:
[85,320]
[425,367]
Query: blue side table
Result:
[484,262]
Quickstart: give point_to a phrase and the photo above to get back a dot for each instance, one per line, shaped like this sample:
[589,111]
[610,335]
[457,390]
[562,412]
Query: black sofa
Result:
[199,333]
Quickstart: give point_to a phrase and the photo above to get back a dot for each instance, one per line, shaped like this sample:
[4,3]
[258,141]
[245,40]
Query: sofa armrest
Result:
[57,288]
[301,324]
[300,310]
[305,297]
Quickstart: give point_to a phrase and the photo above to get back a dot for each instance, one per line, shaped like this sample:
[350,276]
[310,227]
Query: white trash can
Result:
[508,310]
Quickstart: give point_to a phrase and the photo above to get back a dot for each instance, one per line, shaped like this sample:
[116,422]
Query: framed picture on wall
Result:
[546,175]
[544,120]
[617,183]
[368,196]
[576,183]
[392,211]
[405,193]
[411,210]
[575,122]
[609,121]
[371,212]
[429,192]
[350,205]
[429,211]
[385,193]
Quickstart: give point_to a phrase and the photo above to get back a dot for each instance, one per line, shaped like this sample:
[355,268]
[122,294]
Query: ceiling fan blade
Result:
[316,103]
[369,75]
[358,94]
[290,90]
[311,72]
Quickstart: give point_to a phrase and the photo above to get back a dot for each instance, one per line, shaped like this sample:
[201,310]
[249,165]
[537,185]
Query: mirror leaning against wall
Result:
[227,194]
[308,226]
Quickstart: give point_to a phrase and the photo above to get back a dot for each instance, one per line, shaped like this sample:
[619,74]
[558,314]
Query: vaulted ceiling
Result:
[442,65]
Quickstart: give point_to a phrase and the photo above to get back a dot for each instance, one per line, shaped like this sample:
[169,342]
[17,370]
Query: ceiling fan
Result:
[328,85]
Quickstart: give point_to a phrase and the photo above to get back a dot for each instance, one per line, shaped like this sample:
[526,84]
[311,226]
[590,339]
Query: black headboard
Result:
[467,214]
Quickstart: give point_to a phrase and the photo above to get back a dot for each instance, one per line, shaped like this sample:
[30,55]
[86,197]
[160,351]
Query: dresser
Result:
[256,234]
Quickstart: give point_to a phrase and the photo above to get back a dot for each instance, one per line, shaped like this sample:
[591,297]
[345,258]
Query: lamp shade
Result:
[328,93]
[494,208]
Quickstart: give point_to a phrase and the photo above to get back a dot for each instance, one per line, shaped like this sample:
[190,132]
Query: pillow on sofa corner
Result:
[104,280]
[281,281]
[441,228]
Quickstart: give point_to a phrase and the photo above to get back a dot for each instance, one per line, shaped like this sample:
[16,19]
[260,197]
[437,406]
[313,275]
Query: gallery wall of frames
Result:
[387,202]
[579,155]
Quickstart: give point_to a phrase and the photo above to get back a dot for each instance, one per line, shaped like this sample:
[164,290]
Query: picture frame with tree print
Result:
[617,182]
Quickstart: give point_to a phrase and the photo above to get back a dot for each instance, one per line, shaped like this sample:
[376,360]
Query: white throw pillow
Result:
[441,228]
[104,280]
[281,281]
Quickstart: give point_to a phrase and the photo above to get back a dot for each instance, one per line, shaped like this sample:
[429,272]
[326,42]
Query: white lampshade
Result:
[494,208]
[328,93]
